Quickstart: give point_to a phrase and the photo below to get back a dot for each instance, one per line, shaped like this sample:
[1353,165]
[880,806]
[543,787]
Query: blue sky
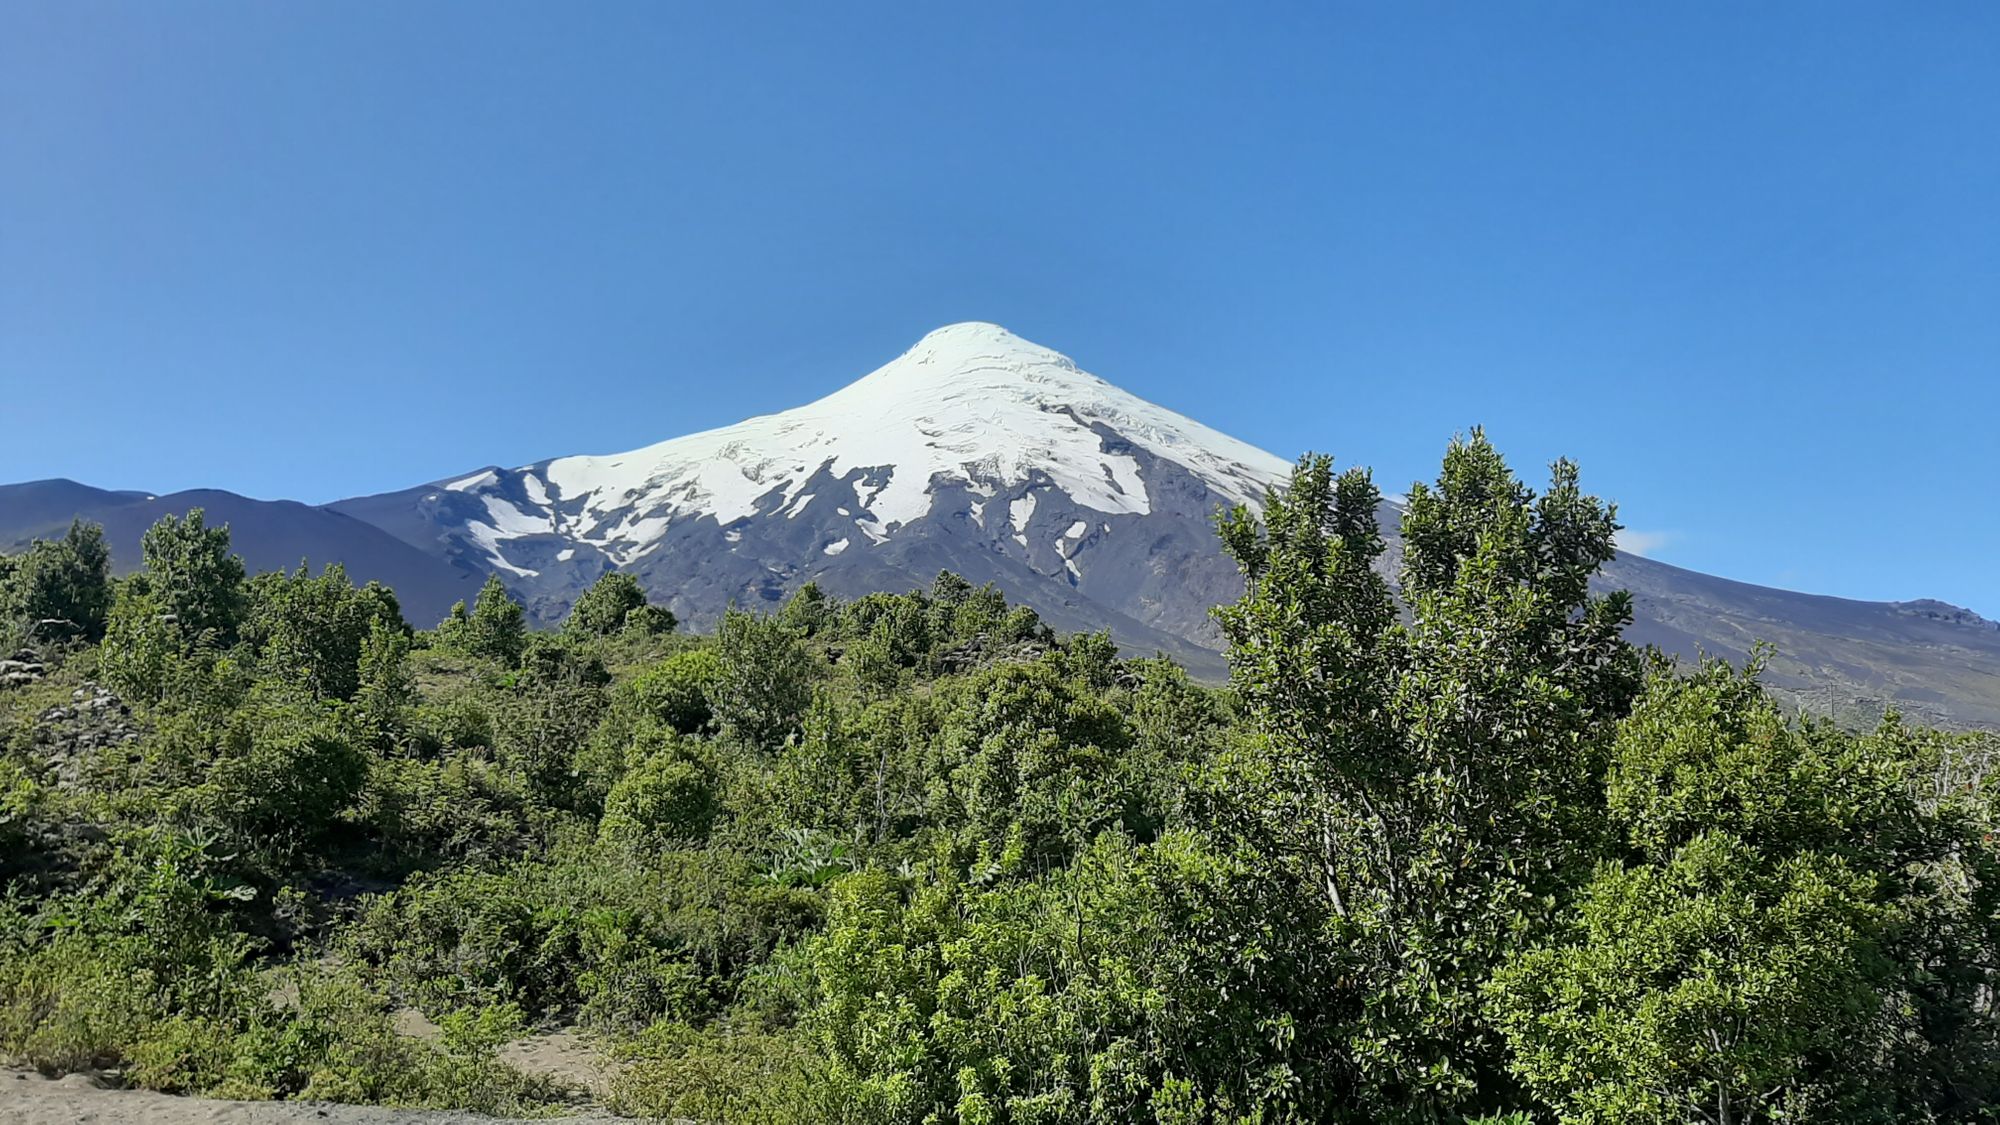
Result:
[1741,261]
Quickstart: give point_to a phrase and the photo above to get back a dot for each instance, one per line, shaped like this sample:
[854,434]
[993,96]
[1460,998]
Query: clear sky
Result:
[1742,261]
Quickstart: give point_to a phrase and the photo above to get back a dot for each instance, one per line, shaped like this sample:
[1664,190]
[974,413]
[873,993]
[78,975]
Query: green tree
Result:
[1047,1000]
[1422,786]
[809,610]
[559,696]
[1028,764]
[311,632]
[870,773]
[677,691]
[60,588]
[497,628]
[143,644]
[891,633]
[613,602]
[766,681]
[281,775]
[668,800]
[1740,964]
[1717,986]
[195,577]
[451,632]
[385,688]
[961,611]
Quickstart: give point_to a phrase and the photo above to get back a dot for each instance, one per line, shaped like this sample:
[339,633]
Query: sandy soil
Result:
[26,1098]
[564,1055]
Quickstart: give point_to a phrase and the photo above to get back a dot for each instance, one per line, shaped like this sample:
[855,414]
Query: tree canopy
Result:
[1445,848]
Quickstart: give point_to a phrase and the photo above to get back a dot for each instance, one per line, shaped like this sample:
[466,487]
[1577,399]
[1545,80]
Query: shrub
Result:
[678,690]
[678,1073]
[666,801]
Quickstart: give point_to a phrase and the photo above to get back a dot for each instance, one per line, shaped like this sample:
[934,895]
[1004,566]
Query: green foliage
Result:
[385,691]
[614,602]
[809,611]
[142,969]
[1715,983]
[677,691]
[338,1042]
[1441,852]
[143,644]
[59,589]
[1052,1000]
[676,1072]
[464,810]
[270,778]
[667,800]
[85,976]
[1711,753]
[195,578]
[1029,763]
[765,686]
[560,695]
[496,629]
[617,939]
[1772,946]
[1424,785]
[312,632]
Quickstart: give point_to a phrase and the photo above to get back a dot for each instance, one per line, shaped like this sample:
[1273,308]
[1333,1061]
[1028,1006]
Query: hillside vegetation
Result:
[1462,855]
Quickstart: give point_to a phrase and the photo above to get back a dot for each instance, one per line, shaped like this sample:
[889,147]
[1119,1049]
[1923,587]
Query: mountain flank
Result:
[983,453]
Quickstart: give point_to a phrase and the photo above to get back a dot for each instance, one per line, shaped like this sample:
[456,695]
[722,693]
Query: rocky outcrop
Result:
[21,669]
[71,737]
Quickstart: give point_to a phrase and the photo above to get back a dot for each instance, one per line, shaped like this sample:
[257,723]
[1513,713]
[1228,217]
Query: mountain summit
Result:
[975,450]
[970,405]
[983,453]
[990,455]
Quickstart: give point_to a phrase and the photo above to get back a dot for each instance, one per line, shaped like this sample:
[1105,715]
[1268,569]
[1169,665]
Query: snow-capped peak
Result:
[970,403]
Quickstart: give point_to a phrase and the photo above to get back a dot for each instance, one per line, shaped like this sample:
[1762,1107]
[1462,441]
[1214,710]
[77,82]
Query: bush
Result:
[623,939]
[766,681]
[281,779]
[462,810]
[86,977]
[59,588]
[142,644]
[666,801]
[677,692]
[676,1072]
[615,602]
[336,1041]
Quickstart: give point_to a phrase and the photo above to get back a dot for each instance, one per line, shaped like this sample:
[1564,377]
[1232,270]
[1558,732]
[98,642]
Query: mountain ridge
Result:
[977,451]
[268,534]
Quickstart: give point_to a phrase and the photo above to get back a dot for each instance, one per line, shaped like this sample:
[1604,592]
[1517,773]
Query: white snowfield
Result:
[971,403]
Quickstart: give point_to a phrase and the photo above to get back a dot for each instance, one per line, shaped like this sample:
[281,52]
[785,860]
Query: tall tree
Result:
[60,588]
[613,602]
[497,628]
[195,578]
[1422,788]
[766,681]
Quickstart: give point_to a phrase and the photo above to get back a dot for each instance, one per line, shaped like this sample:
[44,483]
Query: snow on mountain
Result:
[980,453]
[969,403]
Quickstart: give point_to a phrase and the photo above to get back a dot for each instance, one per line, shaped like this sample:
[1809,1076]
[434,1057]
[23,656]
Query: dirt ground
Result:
[27,1098]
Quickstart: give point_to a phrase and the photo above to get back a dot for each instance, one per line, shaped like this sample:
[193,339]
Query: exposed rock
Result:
[22,668]
[981,650]
[68,740]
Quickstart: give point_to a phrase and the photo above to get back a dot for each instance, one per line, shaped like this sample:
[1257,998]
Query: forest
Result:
[1445,848]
